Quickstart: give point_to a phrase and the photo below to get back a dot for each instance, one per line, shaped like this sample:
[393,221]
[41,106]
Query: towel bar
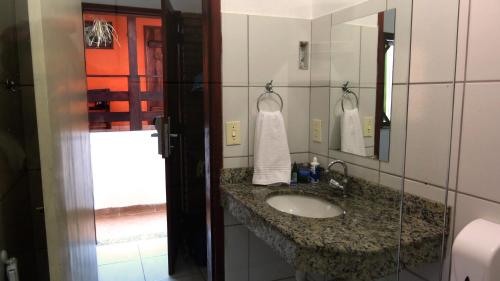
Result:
[347,91]
[269,90]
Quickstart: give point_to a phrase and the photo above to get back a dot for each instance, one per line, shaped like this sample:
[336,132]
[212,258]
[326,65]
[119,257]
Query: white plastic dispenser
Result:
[476,252]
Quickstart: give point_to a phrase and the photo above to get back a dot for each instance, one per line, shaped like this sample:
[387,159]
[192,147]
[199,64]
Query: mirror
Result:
[362,62]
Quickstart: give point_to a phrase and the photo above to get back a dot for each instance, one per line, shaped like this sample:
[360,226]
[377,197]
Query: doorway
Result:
[149,200]
[125,94]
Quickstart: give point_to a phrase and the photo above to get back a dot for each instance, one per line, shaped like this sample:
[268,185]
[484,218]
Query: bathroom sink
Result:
[304,206]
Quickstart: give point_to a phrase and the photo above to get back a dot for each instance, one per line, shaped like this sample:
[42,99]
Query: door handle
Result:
[164,136]
[11,86]
[168,138]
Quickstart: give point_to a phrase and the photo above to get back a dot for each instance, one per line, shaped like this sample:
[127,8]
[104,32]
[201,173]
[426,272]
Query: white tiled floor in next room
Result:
[144,260]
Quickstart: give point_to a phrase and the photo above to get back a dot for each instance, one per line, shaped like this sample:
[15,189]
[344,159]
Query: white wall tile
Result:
[469,208]
[345,55]
[368,61]
[402,40]
[463,29]
[434,34]
[479,162]
[320,51]
[235,108]
[234,49]
[274,50]
[265,264]
[398,131]
[320,109]
[429,133]
[236,253]
[484,41]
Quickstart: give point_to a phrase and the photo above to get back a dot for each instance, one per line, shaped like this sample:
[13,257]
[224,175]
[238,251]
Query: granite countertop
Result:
[360,245]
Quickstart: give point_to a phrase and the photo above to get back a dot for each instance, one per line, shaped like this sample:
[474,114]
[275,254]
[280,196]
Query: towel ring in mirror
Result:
[269,90]
[346,94]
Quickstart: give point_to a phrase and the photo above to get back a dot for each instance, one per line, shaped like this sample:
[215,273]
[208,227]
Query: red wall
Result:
[116,61]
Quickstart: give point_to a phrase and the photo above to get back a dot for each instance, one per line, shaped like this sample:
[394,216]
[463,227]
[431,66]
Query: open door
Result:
[169,129]
[191,133]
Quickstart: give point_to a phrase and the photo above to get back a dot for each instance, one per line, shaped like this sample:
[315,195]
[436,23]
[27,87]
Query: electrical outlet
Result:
[368,126]
[317,134]
[233,133]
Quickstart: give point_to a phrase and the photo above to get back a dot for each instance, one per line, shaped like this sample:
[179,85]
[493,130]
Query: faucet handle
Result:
[336,184]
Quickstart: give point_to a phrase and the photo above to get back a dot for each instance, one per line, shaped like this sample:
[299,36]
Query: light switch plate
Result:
[233,133]
[317,134]
[368,126]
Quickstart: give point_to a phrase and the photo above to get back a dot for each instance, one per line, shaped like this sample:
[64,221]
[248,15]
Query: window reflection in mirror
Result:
[362,63]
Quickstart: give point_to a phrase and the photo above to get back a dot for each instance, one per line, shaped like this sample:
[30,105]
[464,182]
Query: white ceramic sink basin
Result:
[304,206]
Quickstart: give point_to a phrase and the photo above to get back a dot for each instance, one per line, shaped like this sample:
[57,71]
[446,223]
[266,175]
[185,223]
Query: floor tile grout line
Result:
[140,259]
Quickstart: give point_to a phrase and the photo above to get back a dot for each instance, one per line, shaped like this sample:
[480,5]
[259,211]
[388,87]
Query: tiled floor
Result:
[144,260]
[131,226]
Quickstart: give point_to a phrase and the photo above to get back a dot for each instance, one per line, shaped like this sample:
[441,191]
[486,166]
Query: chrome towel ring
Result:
[269,90]
[346,94]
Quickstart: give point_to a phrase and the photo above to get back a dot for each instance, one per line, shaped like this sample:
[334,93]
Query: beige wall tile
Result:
[429,133]
[368,57]
[483,58]
[469,208]
[398,131]
[236,162]
[274,50]
[403,36]
[434,31]
[479,162]
[298,119]
[320,51]
[235,108]
[320,109]
[463,29]
[455,134]
[234,49]
[345,55]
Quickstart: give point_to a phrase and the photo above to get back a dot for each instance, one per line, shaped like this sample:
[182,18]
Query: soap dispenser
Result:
[315,170]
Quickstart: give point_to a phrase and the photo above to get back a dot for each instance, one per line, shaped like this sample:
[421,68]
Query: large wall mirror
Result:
[362,63]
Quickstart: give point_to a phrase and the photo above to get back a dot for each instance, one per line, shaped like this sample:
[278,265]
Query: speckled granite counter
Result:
[362,245]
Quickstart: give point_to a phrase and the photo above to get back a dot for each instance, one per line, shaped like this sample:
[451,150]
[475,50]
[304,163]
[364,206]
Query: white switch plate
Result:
[368,126]
[233,133]
[317,134]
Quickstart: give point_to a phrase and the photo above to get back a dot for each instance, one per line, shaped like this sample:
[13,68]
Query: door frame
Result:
[212,95]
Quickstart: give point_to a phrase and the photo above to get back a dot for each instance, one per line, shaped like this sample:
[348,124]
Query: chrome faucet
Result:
[344,186]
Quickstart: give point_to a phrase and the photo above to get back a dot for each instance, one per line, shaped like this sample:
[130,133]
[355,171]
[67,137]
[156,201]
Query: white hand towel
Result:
[272,162]
[352,140]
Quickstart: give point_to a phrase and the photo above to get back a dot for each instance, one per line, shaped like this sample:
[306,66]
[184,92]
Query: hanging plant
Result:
[100,34]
